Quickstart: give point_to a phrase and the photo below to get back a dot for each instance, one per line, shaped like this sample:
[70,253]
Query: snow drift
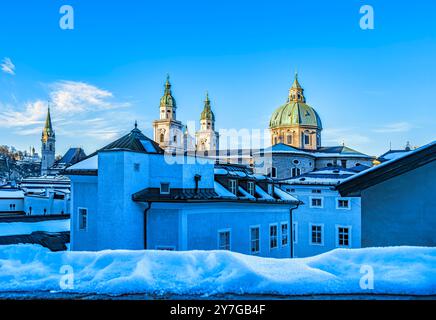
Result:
[397,270]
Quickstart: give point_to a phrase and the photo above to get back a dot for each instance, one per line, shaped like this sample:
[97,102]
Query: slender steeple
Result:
[296,93]
[48,131]
[48,145]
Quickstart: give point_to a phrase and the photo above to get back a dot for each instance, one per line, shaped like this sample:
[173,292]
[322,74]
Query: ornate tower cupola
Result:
[168,103]
[168,132]
[207,138]
[296,93]
[207,119]
[48,141]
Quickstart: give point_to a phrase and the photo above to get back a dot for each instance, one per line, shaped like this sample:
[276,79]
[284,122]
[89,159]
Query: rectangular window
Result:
[233,186]
[289,139]
[83,218]
[343,236]
[343,204]
[273,236]
[251,188]
[224,240]
[316,234]
[136,167]
[165,188]
[306,139]
[254,240]
[316,191]
[295,232]
[344,163]
[316,203]
[284,234]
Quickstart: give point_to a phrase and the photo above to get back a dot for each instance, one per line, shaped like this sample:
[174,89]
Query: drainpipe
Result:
[291,228]
[145,224]
[197,179]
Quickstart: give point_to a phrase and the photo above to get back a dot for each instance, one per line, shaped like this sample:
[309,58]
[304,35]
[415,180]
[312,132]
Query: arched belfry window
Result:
[162,137]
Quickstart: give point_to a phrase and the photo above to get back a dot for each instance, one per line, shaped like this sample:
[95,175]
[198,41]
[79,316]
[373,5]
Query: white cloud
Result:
[394,127]
[78,109]
[74,97]
[7,66]
[349,136]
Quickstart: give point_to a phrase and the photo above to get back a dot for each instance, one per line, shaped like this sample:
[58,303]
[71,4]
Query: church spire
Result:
[296,93]
[48,128]
[167,101]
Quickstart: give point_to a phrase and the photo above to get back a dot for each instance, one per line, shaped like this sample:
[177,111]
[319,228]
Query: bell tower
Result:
[48,142]
[207,138]
[167,131]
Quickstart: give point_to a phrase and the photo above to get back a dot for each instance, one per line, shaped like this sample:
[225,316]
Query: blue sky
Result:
[370,87]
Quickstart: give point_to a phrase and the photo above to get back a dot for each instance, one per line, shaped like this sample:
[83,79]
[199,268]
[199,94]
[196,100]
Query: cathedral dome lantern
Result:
[296,123]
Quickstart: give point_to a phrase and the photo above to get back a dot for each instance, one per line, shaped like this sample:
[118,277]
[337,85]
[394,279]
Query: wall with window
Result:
[350,162]
[86,197]
[208,226]
[286,165]
[325,221]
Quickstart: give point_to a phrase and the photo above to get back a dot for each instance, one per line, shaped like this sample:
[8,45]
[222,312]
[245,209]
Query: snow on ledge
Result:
[397,270]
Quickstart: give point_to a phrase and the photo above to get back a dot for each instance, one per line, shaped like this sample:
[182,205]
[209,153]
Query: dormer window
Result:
[164,188]
[250,188]
[233,186]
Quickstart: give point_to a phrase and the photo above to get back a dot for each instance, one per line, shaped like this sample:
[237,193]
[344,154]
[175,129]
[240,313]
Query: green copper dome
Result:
[295,113]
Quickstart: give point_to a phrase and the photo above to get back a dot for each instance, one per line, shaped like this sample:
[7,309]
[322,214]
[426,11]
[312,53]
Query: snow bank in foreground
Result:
[397,270]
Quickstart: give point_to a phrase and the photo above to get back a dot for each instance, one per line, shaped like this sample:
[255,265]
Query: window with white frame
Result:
[273,236]
[233,186]
[316,202]
[343,204]
[164,188]
[343,236]
[272,172]
[254,240]
[295,172]
[316,234]
[284,233]
[224,240]
[251,187]
[83,218]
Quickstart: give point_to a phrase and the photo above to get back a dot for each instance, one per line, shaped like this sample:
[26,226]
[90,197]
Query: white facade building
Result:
[325,221]
[132,195]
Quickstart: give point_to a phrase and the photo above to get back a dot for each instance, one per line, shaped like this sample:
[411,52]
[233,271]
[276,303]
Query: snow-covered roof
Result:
[262,194]
[390,162]
[11,194]
[246,194]
[87,164]
[223,192]
[283,195]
